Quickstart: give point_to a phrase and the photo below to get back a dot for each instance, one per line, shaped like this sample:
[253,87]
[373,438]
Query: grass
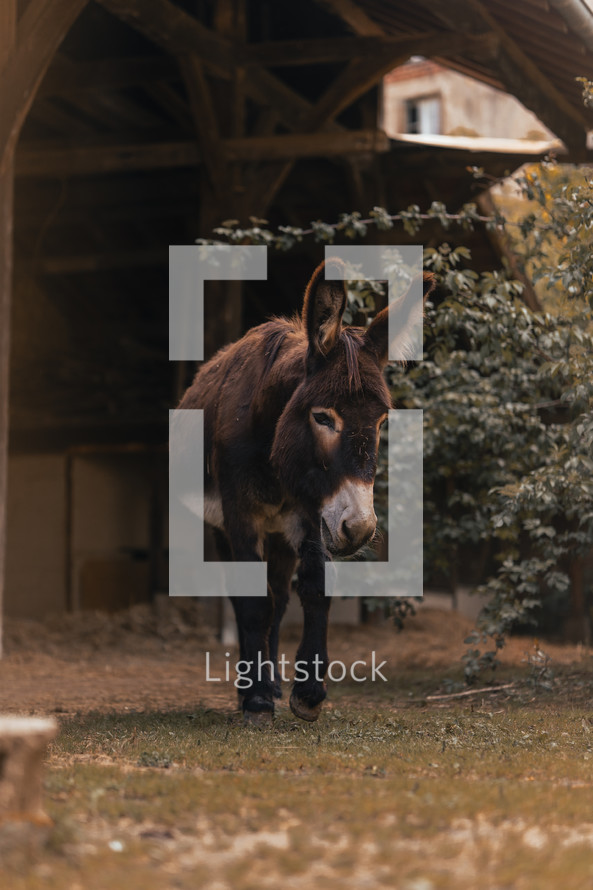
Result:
[490,792]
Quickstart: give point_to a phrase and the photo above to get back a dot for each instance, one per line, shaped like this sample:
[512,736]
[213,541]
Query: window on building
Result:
[423,115]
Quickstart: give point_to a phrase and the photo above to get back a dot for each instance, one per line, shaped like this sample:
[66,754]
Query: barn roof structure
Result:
[126,125]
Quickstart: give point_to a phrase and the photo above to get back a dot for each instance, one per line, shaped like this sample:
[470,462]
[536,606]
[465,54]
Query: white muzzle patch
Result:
[348,519]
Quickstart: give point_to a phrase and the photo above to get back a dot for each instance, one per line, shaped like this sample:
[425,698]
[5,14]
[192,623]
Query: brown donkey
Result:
[292,413]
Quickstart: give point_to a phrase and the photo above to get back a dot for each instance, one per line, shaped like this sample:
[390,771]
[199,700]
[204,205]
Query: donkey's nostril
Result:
[346,532]
[357,531]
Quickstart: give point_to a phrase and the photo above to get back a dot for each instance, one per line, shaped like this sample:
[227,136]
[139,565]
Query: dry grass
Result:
[489,791]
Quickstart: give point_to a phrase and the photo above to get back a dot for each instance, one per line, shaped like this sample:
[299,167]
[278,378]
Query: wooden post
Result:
[7,42]
[226,107]
[504,249]
[42,28]
[577,627]
[23,744]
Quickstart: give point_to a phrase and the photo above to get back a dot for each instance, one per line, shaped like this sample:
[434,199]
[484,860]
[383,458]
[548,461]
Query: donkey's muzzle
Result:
[348,520]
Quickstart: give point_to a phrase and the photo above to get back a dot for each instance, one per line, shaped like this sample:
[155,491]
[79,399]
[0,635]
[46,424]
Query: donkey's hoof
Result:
[260,719]
[301,709]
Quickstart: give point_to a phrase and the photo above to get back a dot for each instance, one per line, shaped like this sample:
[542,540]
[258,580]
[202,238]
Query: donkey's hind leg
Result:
[254,621]
[225,555]
[281,565]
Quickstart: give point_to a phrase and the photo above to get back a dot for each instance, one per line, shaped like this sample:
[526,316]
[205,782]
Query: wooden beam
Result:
[72,264]
[537,94]
[41,29]
[355,17]
[317,51]
[361,74]
[504,249]
[45,161]
[176,31]
[66,77]
[531,86]
[205,122]
[263,183]
[578,17]
[40,160]
[461,16]
[306,145]
[8,18]
[230,20]
[518,73]
[173,29]
[172,104]
[61,121]
[356,78]
[228,17]
[108,195]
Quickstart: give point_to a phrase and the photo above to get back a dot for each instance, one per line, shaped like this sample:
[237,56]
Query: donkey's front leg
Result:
[311,663]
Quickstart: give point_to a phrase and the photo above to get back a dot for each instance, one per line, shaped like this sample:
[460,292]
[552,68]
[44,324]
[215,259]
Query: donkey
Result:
[292,414]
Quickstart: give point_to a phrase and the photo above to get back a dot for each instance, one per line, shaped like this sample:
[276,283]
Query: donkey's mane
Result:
[276,335]
[351,341]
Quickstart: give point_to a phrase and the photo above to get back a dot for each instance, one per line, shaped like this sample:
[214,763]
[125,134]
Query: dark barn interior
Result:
[130,125]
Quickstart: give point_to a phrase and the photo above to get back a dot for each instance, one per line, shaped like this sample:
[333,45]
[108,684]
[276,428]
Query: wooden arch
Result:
[37,36]
[27,48]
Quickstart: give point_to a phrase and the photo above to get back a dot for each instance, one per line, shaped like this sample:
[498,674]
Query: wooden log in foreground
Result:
[23,746]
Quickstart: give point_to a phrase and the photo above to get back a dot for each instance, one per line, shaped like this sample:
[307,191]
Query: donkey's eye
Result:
[324,419]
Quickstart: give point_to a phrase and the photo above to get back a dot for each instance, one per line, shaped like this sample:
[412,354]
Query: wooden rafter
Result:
[64,160]
[205,122]
[334,49]
[179,33]
[172,104]
[60,120]
[41,29]
[463,16]
[504,250]
[356,79]
[354,16]
[173,29]
[8,17]
[343,49]
[306,145]
[363,73]
[45,160]
[230,20]
[72,264]
[66,77]
[528,84]
[518,73]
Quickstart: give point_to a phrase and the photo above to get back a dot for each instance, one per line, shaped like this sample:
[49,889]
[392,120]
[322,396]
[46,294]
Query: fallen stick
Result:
[482,690]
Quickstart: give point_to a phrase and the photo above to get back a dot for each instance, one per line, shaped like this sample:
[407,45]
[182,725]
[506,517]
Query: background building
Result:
[425,98]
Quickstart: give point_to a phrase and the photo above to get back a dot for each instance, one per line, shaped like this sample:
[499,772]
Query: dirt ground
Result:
[154,783]
[153,658]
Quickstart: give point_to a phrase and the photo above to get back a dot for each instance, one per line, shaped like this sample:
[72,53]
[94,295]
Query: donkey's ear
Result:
[407,315]
[324,306]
